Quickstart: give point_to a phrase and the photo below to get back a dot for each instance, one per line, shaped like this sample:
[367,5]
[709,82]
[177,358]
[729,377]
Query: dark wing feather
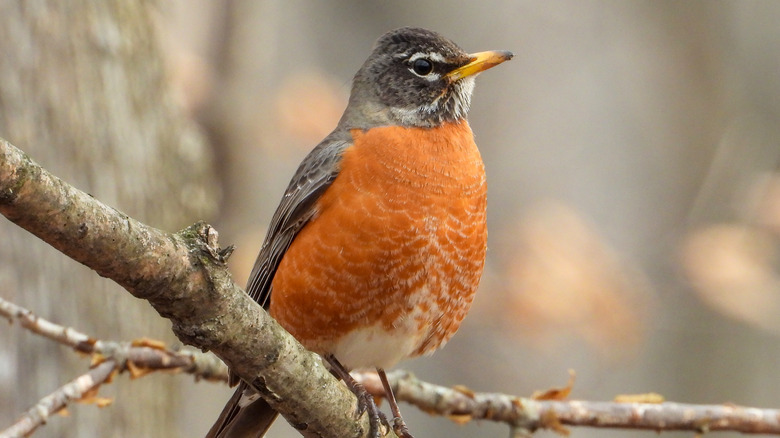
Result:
[251,421]
[313,177]
[315,174]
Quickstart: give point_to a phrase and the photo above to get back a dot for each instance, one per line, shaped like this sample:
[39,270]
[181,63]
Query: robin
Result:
[377,247]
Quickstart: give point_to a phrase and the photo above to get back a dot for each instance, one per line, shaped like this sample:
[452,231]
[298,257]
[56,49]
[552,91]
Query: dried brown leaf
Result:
[549,420]
[147,342]
[97,359]
[137,371]
[464,390]
[556,393]
[100,402]
[91,397]
[460,419]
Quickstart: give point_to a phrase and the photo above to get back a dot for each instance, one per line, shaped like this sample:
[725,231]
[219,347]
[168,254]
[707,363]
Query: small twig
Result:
[63,335]
[138,355]
[525,414]
[664,416]
[458,404]
[74,390]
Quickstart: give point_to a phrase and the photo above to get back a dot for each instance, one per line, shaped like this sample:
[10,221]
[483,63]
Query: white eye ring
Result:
[422,65]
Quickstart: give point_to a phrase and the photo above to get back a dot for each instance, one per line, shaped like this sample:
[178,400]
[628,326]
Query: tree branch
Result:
[184,277]
[77,389]
[526,414]
[138,356]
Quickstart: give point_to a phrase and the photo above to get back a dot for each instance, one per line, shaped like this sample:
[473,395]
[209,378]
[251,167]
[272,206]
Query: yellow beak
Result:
[480,62]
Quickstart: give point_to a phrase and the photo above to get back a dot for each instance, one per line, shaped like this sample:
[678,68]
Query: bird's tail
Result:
[243,421]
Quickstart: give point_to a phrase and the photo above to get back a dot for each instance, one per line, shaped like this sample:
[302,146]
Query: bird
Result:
[377,247]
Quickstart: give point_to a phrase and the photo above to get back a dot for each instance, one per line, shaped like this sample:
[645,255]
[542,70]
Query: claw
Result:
[366,401]
[375,417]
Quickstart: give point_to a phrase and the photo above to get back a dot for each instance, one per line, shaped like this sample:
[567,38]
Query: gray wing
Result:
[315,174]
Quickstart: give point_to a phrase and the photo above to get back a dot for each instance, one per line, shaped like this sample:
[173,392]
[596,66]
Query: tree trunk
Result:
[83,91]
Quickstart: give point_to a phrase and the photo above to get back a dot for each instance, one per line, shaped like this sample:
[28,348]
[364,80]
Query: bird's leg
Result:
[399,425]
[365,400]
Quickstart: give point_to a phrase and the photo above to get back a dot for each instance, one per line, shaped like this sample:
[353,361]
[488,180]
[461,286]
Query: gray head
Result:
[415,77]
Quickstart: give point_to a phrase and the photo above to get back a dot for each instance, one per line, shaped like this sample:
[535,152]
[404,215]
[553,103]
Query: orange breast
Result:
[398,243]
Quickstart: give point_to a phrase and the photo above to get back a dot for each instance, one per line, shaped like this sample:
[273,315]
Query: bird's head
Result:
[415,77]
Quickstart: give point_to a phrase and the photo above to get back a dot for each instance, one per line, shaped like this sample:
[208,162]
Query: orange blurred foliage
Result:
[733,267]
[563,279]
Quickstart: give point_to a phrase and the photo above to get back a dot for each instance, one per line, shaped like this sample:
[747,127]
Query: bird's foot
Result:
[366,401]
[376,418]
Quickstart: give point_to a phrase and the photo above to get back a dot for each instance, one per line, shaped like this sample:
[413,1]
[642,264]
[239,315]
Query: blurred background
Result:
[632,151]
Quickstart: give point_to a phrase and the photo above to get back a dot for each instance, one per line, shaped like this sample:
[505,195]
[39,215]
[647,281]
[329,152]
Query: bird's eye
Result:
[422,66]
